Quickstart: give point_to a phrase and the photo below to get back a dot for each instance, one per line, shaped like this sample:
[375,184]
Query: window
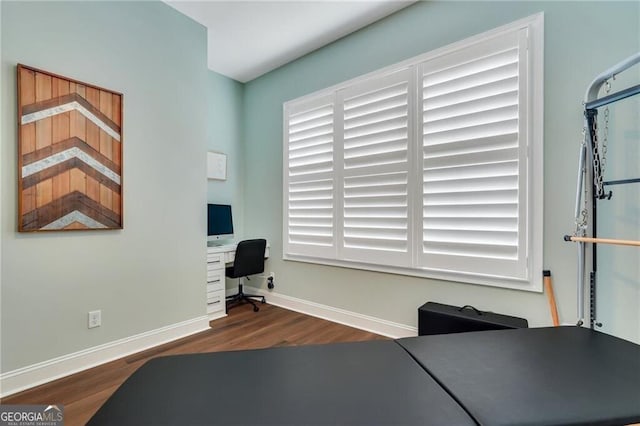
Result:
[432,167]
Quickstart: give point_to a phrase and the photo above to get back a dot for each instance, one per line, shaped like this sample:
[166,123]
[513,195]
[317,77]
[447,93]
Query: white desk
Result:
[217,258]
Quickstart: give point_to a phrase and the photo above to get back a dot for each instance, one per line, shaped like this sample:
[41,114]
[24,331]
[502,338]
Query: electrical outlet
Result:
[95,319]
[270,279]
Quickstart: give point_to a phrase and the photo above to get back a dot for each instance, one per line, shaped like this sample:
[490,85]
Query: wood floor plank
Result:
[83,393]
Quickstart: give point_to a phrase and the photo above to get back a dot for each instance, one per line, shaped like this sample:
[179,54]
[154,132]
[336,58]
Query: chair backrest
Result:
[249,257]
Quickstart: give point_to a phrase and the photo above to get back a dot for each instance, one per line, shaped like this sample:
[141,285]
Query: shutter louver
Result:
[309,178]
[376,171]
[473,155]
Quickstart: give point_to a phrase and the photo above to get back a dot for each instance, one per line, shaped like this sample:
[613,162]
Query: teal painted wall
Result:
[573,56]
[152,273]
[225,131]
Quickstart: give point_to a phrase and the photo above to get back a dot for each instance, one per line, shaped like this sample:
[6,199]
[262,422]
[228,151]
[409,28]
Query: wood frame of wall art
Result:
[69,154]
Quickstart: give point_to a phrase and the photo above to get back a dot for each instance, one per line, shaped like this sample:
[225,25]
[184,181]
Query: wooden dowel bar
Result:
[602,241]
[548,288]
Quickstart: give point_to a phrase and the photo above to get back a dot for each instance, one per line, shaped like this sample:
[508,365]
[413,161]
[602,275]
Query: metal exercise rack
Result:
[591,170]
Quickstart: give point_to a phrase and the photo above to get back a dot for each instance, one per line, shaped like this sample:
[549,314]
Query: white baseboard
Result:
[46,371]
[33,375]
[341,316]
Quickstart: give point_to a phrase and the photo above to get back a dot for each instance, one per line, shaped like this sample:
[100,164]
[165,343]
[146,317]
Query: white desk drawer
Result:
[215,261]
[215,267]
[215,301]
[215,275]
[215,286]
[212,308]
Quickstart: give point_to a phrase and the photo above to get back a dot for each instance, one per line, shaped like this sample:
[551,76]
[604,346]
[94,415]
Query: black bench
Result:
[548,376]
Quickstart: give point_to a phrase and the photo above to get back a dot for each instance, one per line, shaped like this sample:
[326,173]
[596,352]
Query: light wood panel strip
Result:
[116,109]
[106,198]
[60,122]
[81,89]
[27,87]
[61,184]
[77,180]
[44,133]
[93,189]
[117,203]
[44,192]
[43,87]
[28,138]
[27,96]
[93,132]
[28,199]
[44,128]
[76,225]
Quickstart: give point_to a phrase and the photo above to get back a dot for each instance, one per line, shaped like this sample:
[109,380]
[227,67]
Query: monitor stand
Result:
[219,243]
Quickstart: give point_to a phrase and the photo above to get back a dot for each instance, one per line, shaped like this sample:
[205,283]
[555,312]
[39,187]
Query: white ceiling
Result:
[249,38]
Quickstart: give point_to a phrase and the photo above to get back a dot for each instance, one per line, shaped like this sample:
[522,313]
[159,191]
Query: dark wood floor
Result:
[83,393]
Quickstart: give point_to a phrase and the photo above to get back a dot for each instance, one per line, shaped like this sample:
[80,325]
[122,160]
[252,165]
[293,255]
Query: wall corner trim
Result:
[341,316]
[36,374]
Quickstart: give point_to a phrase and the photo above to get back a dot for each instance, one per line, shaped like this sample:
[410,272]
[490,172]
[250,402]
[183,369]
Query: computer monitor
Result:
[219,222]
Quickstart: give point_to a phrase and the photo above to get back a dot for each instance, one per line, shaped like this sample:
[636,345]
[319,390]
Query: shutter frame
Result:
[308,198]
[376,170]
[480,158]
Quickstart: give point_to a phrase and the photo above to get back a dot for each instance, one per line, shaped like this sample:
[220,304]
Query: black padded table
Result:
[366,383]
[544,376]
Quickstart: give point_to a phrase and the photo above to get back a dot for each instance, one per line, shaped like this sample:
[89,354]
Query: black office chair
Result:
[249,260]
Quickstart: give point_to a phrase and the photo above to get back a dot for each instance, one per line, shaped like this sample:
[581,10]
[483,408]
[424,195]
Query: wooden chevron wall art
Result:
[69,154]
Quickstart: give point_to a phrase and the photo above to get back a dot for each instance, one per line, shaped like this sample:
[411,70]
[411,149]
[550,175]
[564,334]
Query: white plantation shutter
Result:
[474,141]
[431,167]
[309,174]
[375,175]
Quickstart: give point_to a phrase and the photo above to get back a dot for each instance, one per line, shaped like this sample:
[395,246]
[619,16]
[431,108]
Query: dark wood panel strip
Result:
[74,142]
[72,163]
[98,212]
[75,200]
[49,103]
[57,208]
